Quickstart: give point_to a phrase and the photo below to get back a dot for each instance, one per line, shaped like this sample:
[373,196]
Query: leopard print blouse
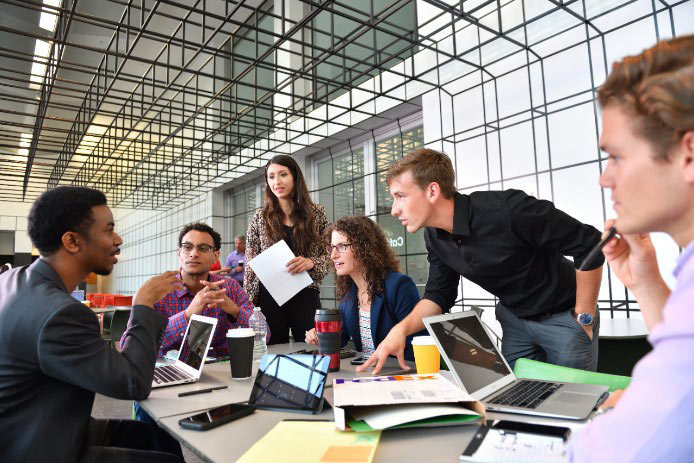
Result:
[257,242]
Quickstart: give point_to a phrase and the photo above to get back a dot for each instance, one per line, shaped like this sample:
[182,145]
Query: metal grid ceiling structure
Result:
[156,101]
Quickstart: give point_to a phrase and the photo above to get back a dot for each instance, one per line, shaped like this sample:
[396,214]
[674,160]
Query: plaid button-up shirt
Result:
[175,303]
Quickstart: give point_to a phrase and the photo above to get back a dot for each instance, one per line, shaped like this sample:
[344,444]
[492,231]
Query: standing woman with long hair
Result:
[288,214]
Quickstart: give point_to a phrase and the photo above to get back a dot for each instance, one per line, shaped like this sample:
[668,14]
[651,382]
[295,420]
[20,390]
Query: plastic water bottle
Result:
[259,325]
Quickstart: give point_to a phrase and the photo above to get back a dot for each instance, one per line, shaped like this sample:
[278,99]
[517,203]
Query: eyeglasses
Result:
[187,248]
[340,247]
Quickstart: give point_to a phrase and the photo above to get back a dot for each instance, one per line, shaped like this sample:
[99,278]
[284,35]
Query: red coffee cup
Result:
[329,334]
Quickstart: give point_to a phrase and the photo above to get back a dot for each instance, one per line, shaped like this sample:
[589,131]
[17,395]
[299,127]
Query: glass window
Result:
[327,292]
[255,83]
[367,49]
[341,184]
[389,150]
[409,247]
[341,192]
[244,205]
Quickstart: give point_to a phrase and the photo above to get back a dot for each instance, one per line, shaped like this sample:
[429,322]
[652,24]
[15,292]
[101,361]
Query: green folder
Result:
[532,369]
[447,420]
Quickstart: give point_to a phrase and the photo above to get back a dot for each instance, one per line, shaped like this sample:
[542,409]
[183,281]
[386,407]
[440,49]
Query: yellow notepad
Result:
[313,441]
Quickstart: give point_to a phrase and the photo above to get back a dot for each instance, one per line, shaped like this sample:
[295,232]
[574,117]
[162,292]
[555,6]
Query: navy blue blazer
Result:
[400,298]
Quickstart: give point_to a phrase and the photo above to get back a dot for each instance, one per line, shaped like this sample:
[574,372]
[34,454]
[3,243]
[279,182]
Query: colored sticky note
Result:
[340,453]
[313,442]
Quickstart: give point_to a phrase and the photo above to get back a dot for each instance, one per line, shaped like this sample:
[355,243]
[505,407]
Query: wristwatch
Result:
[584,318]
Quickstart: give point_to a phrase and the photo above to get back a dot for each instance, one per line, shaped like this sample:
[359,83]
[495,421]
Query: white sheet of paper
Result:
[519,448]
[270,268]
[402,389]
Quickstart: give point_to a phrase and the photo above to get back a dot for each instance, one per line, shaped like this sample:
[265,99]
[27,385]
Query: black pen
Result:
[589,261]
[201,391]
[299,419]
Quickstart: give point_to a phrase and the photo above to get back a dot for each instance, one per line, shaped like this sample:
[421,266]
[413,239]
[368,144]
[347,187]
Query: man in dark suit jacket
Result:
[52,357]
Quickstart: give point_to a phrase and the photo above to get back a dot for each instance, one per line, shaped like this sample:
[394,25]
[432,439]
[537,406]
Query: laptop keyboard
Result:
[526,394]
[168,374]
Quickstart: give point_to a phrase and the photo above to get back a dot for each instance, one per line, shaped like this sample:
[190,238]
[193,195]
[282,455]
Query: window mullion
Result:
[370,178]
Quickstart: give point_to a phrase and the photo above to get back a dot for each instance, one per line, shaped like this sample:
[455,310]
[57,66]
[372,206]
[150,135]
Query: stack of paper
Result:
[391,402]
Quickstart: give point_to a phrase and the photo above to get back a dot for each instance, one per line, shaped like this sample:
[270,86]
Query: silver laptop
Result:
[191,356]
[480,369]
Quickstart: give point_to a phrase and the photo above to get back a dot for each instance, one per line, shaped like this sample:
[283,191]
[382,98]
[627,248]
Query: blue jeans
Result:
[558,339]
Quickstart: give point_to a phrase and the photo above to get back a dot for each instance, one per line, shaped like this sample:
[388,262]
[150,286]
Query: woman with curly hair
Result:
[374,295]
[289,215]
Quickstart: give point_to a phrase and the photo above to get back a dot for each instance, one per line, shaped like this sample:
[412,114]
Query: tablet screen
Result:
[290,382]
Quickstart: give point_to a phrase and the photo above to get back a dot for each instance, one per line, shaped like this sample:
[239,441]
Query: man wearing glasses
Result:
[204,293]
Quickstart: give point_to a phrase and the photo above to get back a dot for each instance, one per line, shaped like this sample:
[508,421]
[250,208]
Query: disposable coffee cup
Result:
[240,343]
[426,355]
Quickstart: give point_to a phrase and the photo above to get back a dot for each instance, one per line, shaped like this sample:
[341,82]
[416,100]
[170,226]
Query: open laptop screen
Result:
[195,342]
[471,352]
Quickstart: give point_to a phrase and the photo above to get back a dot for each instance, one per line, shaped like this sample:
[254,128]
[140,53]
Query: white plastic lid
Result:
[255,309]
[423,341]
[240,332]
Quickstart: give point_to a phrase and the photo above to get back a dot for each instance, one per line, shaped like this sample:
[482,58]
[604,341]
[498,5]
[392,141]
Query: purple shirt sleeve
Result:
[232,261]
[228,261]
[654,419]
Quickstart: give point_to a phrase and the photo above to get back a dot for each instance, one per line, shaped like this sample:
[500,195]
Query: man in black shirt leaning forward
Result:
[510,244]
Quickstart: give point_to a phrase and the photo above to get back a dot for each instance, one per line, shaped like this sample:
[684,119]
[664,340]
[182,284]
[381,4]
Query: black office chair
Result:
[619,356]
[117,323]
[106,333]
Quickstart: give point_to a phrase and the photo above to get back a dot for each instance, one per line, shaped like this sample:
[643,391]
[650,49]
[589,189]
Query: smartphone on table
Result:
[345,353]
[361,360]
[217,416]
[532,428]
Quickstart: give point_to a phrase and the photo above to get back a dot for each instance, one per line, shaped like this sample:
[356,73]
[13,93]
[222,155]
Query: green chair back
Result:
[532,369]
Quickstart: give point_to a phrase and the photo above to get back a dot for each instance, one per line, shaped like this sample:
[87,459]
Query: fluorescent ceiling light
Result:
[38,71]
[91,139]
[97,129]
[24,144]
[87,144]
[49,18]
[42,49]
[25,140]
